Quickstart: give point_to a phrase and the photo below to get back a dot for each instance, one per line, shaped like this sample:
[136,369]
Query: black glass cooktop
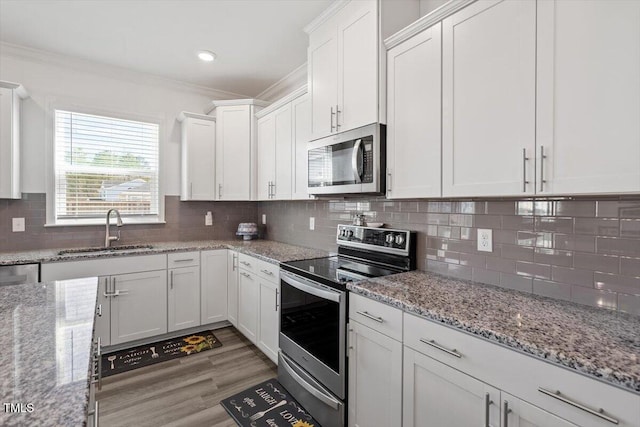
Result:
[337,270]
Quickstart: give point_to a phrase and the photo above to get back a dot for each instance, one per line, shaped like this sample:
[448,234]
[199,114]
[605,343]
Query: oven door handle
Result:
[357,161]
[310,289]
[324,398]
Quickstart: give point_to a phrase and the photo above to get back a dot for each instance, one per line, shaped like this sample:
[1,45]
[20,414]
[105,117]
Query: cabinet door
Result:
[198,159]
[269,323]
[357,65]
[488,101]
[266,164]
[213,286]
[140,309]
[414,116]
[9,145]
[248,295]
[323,79]
[233,152]
[301,112]
[183,298]
[103,316]
[518,413]
[588,92]
[283,159]
[436,395]
[375,378]
[232,287]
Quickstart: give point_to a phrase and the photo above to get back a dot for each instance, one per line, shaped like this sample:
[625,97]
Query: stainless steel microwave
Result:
[351,162]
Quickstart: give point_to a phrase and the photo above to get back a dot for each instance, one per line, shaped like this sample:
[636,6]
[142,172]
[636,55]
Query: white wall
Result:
[53,79]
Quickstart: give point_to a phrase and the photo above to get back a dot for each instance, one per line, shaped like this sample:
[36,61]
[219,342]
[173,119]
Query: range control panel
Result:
[374,238]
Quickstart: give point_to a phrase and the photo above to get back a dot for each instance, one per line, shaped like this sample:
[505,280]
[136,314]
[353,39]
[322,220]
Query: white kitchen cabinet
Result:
[214,286]
[437,395]
[414,116]
[183,298]
[345,64]
[588,76]
[232,287]
[248,305]
[198,157]
[301,123]
[489,99]
[138,306]
[236,156]
[103,313]
[282,173]
[266,156]
[518,413]
[269,321]
[375,378]
[11,95]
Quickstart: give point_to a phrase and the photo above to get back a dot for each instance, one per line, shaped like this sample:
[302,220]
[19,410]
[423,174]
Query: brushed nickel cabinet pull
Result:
[267,272]
[487,415]
[245,274]
[183,260]
[245,263]
[338,125]
[370,316]
[99,310]
[171,279]
[277,293]
[542,157]
[389,183]
[595,412]
[219,190]
[524,170]
[433,344]
[506,411]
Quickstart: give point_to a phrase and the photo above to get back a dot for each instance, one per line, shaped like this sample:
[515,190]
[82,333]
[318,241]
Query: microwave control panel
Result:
[367,160]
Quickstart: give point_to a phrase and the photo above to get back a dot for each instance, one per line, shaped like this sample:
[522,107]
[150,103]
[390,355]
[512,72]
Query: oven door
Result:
[312,329]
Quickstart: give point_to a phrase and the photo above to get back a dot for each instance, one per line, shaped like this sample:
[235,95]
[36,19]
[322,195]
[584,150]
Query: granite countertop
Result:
[599,343]
[45,351]
[267,250]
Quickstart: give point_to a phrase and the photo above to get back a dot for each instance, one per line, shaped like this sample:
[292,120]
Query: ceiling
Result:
[257,42]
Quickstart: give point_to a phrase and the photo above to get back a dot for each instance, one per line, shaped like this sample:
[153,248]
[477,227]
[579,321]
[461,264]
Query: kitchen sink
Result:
[114,249]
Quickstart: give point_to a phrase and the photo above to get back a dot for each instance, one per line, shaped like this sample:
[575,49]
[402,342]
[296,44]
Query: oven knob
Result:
[389,238]
[350,233]
[399,239]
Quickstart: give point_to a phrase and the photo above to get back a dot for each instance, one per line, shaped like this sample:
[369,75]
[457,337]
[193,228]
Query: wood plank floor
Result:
[185,391]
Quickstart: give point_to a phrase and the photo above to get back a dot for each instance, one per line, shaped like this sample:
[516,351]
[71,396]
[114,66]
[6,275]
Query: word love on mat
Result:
[145,355]
[267,404]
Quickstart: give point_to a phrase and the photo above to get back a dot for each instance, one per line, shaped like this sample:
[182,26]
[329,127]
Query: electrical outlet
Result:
[485,240]
[18,225]
[264,219]
[312,223]
[208,218]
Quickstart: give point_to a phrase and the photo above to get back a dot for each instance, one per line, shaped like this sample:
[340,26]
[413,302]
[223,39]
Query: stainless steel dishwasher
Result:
[19,274]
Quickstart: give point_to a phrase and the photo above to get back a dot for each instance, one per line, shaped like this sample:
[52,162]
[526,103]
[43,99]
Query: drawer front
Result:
[524,376]
[376,315]
[248,263]
[265,269]
[183,259]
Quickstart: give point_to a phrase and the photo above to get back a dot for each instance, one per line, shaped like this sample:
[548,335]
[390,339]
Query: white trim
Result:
[280,88]
[282,101]
[16,87]
[92,222]
[233,102]
[327,14]
[426,21]
[186,114]
[126,74]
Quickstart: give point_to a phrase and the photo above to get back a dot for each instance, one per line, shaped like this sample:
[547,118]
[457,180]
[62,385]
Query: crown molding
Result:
[282,87]
[426,21]
[282,101]
[184,115]
[17,87]
[325,15]
[232,102]
[106,70]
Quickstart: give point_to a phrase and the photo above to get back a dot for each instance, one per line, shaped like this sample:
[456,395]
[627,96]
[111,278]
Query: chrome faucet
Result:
[107,238]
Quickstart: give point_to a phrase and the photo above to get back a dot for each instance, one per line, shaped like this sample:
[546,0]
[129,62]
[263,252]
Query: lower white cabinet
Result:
[232,287]
[248,296]
[518,413]
[268,325]
[213,286]
[436,395]
[138,305]
[375,378]
[102,327]
[183,298]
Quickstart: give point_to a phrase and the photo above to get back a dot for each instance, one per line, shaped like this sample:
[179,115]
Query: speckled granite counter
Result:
[596,342]
[270,251]
[45,351]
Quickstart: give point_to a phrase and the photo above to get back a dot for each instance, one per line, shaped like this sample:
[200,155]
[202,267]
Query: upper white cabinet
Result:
[488,100]
[301,123]
[588,102]
[345,63]
[414,70]
[236,155]
[198,171]
[10,99]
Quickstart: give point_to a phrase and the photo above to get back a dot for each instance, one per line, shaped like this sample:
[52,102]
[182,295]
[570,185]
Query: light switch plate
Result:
[264,219]
[312,223]
[18,225]
[208,218]
[485,240]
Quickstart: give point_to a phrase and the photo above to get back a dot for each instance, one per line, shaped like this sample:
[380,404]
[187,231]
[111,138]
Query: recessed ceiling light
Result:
[206,56]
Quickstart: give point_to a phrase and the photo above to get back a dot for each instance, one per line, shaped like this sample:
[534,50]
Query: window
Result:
[103,163]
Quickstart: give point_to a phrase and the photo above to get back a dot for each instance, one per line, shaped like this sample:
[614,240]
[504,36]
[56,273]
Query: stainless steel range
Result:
[312,361]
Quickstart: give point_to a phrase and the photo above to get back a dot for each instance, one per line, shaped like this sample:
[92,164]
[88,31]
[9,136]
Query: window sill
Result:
[94,222]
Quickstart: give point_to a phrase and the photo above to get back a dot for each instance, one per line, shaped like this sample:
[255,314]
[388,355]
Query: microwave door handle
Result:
[356,161]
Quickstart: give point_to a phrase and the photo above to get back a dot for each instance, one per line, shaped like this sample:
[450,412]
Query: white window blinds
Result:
[103,163]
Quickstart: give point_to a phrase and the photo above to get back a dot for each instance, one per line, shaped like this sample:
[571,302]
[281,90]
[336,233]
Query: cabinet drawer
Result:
[524,376]
[376,315]
[183,259]
[261,268]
